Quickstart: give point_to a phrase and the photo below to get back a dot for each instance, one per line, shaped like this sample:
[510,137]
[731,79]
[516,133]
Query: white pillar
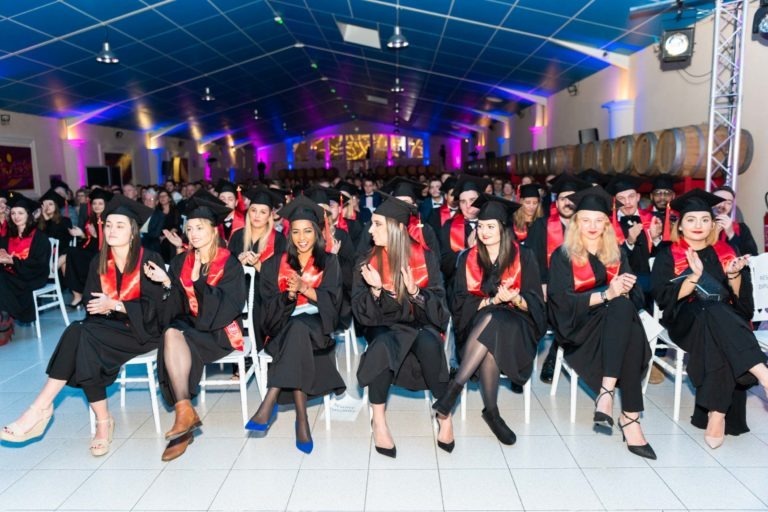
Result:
[621,117]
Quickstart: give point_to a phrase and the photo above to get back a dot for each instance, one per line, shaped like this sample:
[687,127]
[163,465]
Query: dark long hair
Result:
[14,231]
[507,251]
[318,251]
[133,251]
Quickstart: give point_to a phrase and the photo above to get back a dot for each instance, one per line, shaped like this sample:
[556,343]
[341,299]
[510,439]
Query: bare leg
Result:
[178,363]
[445,434]
[43,401]
[381,435]
[760,371]
[715,425]
[101,411]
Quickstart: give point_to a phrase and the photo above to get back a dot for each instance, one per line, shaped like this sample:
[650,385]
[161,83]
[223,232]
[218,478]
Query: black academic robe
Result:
[19,280]
[59,231]
[355,230]
[302,346]
[447,255]
[744,242]
[537,242]
[171,221]
[605,340]
[639,254]
[236,248]
[102,344]
[511,334]
[79,259]
[218,307]
[391,327]
[717,336]
[430,239]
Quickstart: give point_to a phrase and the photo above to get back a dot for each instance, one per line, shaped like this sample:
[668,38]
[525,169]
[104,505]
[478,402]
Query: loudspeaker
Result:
[104,176]
[588,135]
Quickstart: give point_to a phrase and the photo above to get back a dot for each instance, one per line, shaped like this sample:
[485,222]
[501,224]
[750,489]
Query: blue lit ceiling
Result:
[464,56]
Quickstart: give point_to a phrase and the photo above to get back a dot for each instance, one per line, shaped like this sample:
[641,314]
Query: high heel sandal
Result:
[12,433]
[388,452]
[448,447]
[100,447]
[262,427]
[644,450]
[600,418]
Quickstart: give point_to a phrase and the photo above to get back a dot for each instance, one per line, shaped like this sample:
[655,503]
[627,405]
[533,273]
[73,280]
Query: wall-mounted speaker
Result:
[588,135]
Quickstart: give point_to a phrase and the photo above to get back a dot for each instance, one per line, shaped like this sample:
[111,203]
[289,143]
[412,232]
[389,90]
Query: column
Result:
[621,117]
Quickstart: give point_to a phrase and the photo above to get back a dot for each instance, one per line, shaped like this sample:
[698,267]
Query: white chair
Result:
[758,266]
[263,360]
[562,364]
[238,356]
[51,291]
[350,342]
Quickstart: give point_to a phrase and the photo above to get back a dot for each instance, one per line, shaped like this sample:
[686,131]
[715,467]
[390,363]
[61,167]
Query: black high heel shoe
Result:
[444,404]
[644,450]
[448,447]
[388,452]
[600,418]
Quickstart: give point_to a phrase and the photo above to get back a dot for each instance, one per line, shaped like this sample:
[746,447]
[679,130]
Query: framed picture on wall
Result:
[124,162]
[17,170]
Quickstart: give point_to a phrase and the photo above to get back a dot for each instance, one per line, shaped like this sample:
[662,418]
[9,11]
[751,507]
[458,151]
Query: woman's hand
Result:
[724,222]
[336,246]
[621,285]
[504,294]
[694,263]
[156,274]
[101,304]
[76,232]
[173,238]
[91,230]
[736,265]
[410,284]
[294,282]
[197,266]
[5,258]
[371,276]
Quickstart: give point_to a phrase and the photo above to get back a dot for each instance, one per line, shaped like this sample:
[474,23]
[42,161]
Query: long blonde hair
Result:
[608,253]
[248,240]
[398,252]
[213,248]
[518,218]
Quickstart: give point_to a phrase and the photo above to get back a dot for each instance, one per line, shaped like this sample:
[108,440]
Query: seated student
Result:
[593,308]
[530,210]
[54,225]
[124,310]
[737,234]
[25,254]
[499,309]
[302,346]
[398,297]
[203,315]
[705,291]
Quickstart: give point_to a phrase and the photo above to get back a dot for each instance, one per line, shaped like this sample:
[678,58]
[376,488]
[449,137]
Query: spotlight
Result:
[207,96]
[106,55]
[278,19]
[398,40]
[677,45]
[397,87]
[760,23]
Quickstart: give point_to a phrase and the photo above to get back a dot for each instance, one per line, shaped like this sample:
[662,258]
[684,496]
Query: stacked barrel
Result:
[680,152]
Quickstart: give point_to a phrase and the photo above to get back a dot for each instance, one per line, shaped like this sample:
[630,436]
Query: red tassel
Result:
[101,233]
[667,228]
[616,226]
[341,222]
[240,206]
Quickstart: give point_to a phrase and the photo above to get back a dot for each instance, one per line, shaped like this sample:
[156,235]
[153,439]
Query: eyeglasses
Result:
[662,193]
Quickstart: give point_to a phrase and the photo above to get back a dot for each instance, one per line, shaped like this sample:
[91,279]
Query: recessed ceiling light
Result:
[278,20]
[494,99]
[298,44]
[324,78]
[397,87]
[207,96]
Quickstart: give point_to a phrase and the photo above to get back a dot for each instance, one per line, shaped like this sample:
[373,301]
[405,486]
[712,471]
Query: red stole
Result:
[238,223]
[521,234]
[311,276]
[3,228]
[18,247]
[130,289]
[99,233]
[457,233]
[416,232]
[584,277]
[511,277]
[269,249]
[555,235]
[286,227]
[341,222]
[417,262]
[215,273]
[445,213]
[725,254]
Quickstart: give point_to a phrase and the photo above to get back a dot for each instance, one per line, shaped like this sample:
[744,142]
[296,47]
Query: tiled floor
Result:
[555,465]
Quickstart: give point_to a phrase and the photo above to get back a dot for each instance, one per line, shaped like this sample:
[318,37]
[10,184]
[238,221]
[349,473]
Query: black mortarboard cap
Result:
[696,200]
[594,199]
[403,187]
[303,208]
[448,185]
[663,182]
[621,183]
[100,193]
[204,205]
[394,208]
[591,176]
[54,196]
[59,184]
[347,188]
[495,208]
[225,186]
[121,205]
[468,182]
[319,195]
[567,183]
[6,194]
[16,200]
[530,190]
[264,195]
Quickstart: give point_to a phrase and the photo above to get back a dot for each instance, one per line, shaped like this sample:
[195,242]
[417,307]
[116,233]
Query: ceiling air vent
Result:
[359,35]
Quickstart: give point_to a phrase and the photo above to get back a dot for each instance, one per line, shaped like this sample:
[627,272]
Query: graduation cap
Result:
[403,187]
[59,184]
[16,200]
[5,194]
[663,182]
[303,208]
[529,190]
[265,196]
[594,199]
[394,208]
[282,192]
[204,205]
[448,185]
[347,188]
[225,186]
[696,200]
[495,208]
[54,196]
[334,195]
[467,182]
[567,183]
[591,176]
[319,195]
[121,205]
[621,183]
[100,193]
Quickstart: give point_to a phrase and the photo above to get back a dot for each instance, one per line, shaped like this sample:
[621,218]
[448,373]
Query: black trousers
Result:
[63,365]
[623,354]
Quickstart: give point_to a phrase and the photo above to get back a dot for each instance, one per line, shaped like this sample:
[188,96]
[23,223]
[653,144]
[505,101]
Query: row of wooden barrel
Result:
[678,152]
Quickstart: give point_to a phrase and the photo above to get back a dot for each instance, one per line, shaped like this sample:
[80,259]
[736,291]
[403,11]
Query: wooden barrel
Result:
[622,154]
[644,154]
[746,149]
[589,155]
[542,161]
[562,159]
[605,156]
[682,151]
[510,164]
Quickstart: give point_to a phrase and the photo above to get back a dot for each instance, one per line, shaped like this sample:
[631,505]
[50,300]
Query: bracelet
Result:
[733,275]
[604,296]
[517,301]
[692,281]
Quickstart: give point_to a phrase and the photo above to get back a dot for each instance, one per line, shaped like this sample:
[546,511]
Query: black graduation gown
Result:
[537,242]
[151,239]
[391,328]
[301,346]
[346,258]
[447,255]
[218,306]
[171,221]
[18,281]
[59,231]
[354,230]
[605,340]
[236,248]
[102,344]
[638,257]
[79,260]
[511,334]
[744,243]
[717,336]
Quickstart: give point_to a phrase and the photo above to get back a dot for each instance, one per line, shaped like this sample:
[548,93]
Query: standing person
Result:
[122,321]
[398,297]
[90,238]
[25,254]
[301,345]
[500,312]
[530,211]
[737,234]
[369,200]
[593,307]
[54,225]
[203,315]
[704,289]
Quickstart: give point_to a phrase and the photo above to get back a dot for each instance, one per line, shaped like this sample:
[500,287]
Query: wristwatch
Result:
[119,307]
[604,296]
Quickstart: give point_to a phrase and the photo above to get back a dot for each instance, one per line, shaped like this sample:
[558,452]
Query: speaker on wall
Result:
[103,176]
[588,135]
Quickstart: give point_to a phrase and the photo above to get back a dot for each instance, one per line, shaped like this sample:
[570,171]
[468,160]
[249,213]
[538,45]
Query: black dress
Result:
[511,334]
[716,335]
[301,346]
[605,340]
[91,352]
[18,281]
[59,231]
[219,306]
[171,221]
[743,242]
[391,329]
[79,260]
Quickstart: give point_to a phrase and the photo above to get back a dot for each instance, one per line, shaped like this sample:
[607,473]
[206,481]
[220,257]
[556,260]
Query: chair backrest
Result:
[758,266]
[247,308]
[53,263]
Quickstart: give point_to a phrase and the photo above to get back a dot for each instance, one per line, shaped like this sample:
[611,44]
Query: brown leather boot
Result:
[177,447]
[186,420]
